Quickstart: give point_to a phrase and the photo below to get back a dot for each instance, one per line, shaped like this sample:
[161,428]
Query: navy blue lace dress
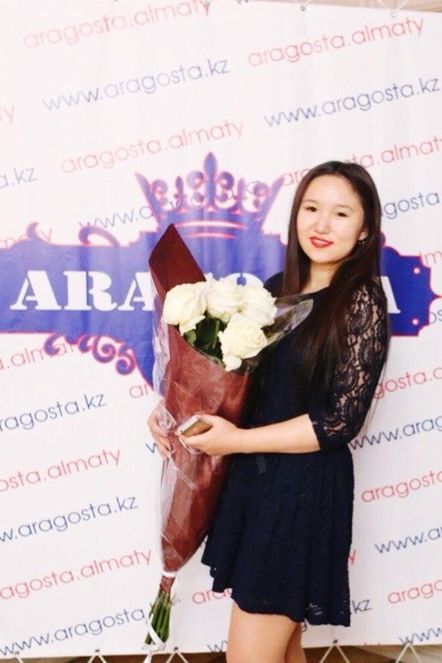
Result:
[282,533]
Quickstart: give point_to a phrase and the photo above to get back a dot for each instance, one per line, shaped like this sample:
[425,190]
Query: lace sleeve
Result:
[356,374]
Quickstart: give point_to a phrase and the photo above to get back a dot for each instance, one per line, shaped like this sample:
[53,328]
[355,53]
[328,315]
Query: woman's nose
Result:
[322,223]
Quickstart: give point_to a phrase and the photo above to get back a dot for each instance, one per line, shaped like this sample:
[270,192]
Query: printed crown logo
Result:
[207,203]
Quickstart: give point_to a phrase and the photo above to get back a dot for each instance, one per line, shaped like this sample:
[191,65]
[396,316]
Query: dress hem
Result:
[220,587]
[243,604]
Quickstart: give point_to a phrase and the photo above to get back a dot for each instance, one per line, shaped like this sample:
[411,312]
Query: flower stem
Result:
[159,616]
[215,335]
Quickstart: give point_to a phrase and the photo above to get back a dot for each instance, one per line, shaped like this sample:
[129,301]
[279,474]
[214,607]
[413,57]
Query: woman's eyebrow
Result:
[312,200]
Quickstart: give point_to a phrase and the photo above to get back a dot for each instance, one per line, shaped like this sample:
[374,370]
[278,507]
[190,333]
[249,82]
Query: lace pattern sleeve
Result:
[356,375]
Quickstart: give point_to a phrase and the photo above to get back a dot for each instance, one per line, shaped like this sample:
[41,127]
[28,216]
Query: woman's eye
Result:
[342,214]
[310,208]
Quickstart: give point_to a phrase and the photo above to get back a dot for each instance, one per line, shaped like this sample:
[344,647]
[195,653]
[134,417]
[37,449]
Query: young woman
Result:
[282,533]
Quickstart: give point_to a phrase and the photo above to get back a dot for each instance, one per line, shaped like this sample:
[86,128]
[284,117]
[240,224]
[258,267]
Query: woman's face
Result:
[330,220]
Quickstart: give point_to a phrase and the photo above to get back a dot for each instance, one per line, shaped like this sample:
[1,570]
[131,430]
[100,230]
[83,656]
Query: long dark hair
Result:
[323,332]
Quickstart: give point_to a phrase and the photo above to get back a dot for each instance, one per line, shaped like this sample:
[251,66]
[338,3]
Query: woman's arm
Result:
[291,436]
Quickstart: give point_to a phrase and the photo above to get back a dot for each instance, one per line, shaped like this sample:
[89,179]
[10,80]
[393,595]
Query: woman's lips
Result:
[320,243]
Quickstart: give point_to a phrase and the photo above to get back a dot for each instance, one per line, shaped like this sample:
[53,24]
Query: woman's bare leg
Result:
[294,652]
[258,638]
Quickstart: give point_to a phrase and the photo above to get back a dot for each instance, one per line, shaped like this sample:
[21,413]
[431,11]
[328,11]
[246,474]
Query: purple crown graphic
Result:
[209,203]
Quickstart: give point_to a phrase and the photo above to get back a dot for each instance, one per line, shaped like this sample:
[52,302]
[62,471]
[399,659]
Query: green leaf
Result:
[190,337]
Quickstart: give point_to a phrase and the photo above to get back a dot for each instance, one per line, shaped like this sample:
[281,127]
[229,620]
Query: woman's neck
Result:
[319,277]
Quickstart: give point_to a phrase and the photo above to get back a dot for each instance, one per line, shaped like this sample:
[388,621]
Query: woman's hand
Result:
[223,438]
[159,435]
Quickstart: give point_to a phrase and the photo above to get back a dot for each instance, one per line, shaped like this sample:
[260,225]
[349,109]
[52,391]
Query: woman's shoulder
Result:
[370,292]
[369,310]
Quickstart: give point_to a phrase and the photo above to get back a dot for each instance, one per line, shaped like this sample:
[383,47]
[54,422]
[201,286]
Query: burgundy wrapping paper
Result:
[190,483]
[195,384]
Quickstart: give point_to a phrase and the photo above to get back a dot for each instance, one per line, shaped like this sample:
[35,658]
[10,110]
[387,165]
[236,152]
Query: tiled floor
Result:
[313,656]
[354,654]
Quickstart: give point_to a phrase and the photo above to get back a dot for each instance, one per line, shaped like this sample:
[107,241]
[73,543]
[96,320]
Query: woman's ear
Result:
[363,234]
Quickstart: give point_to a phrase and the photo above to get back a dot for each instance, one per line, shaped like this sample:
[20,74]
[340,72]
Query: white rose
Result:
[258,304]
[231,362]
[185,305]
[241,339]
[224,298]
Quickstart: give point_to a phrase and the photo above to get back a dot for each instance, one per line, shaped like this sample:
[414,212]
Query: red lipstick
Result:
[320,243]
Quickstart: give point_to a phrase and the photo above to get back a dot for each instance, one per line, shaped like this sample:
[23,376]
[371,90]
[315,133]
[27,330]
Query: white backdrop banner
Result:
[197,101]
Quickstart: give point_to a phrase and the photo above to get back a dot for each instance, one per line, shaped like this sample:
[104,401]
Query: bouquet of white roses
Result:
[221,318]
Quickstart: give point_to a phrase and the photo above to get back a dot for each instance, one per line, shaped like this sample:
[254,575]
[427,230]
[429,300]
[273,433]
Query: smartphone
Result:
[193,426]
